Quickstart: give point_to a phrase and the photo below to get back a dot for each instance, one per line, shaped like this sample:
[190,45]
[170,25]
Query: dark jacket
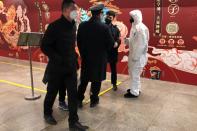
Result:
[113,53]
[94,40]
[59,45]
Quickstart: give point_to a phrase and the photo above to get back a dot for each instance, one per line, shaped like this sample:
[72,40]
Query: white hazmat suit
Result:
[138,47]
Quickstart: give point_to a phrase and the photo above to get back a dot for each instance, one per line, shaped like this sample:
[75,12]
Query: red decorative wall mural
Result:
[172,23]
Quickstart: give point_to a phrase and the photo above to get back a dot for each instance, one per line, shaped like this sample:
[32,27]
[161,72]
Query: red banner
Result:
[172,23]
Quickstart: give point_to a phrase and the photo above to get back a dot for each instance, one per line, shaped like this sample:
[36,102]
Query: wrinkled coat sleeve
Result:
[126,41]
[109,39]
[118,37]
[48,43]
[79,40]
[141,46]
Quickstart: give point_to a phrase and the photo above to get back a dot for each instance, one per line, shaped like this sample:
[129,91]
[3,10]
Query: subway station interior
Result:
[166,98]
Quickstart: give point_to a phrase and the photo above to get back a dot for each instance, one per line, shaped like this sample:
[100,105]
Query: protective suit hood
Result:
[137,16]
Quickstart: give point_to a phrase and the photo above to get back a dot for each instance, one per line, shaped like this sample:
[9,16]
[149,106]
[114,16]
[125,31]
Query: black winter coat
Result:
[94,40]
[113,53]
[59,45]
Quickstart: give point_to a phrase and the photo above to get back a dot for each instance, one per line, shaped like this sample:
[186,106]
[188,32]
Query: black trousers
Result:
[60,83]
[95,89]
[62,93]
[113,72]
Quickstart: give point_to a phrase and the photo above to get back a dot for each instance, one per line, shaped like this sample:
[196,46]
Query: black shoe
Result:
[115,88]
[63,106]
[80,104]
[94,103]
[129,95]
[50,119]
[78,127]
[128,91]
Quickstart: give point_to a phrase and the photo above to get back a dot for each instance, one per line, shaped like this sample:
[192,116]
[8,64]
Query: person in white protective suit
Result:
[138,47]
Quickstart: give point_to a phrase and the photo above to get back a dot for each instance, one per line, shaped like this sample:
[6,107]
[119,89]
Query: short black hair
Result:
[96,13]
[67,3]
[111,13]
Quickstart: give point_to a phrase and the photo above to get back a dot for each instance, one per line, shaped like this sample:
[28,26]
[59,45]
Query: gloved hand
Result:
[134,60]
[126,41]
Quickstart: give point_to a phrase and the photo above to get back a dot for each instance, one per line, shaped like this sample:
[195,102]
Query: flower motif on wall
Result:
[16,22]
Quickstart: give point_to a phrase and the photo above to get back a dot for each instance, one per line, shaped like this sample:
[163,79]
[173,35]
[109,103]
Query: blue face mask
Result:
[102,18]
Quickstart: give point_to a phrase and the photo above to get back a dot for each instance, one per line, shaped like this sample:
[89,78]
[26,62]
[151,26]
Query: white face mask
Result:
[73,14]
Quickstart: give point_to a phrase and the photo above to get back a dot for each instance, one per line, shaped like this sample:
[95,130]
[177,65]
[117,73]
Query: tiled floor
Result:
[162,106]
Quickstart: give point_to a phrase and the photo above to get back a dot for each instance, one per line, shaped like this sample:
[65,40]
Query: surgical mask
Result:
[131,20]
[73,14]
[108,21]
